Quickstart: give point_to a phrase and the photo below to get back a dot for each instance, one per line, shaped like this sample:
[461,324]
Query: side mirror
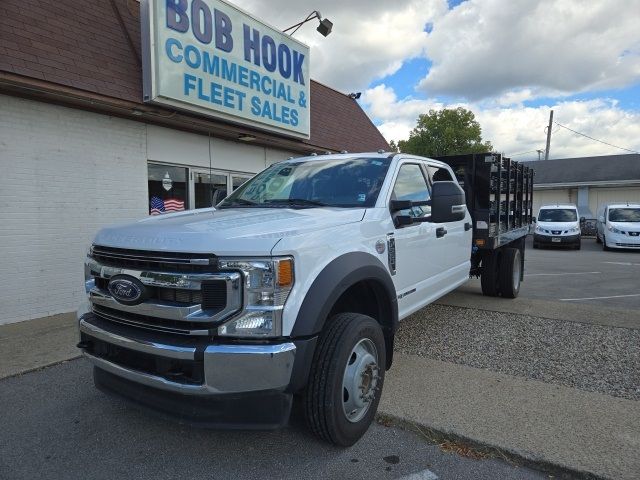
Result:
[601,219]
[582,219]
[534,219]
[448,202]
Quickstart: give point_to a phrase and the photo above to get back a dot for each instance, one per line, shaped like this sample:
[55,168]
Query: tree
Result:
[393,146]
[445,132]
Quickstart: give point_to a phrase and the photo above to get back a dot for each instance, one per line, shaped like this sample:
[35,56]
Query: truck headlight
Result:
[614,229]
[89,280]
[267,283]
[574,230]
[539,229]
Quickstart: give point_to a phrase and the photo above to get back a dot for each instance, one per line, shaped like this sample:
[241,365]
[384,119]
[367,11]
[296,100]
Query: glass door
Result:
[209,188]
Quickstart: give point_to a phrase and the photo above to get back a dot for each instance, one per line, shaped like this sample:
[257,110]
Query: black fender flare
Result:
[340,274]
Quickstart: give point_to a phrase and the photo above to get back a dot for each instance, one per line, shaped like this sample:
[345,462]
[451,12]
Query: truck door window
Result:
[439,174]
[411,185]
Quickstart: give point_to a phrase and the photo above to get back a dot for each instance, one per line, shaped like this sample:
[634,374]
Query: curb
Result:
[39,367]
[514,457]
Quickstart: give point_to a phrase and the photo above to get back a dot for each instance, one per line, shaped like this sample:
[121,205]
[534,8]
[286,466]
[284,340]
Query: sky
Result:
[508,61]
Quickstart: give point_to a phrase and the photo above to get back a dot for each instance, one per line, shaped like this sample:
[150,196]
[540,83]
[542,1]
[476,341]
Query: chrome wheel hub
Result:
[360,380]
[516,275]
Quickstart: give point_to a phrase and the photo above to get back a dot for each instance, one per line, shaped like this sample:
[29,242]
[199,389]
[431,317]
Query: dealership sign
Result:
[208,56]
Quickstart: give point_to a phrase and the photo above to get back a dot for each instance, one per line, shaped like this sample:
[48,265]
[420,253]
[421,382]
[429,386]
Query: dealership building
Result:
[587,182]
[119,110]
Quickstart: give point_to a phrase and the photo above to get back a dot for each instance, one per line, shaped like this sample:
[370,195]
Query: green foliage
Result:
[394,147]
[445,132]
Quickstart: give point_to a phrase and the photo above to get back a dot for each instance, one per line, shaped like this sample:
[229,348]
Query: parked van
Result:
[618,226]
[557,225]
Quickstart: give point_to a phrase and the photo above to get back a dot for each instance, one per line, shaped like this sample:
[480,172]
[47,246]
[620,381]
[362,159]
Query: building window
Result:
[167,189]
[209,188]
[175,188]
[238,180]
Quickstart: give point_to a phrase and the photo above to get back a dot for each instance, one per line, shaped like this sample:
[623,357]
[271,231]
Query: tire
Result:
[509,272]
[604,243]
[535,245]
[598,239]
[324,399]
[489,277]
[578,245]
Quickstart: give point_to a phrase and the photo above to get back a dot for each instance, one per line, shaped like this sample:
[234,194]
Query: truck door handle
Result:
[441,232]
[467,227]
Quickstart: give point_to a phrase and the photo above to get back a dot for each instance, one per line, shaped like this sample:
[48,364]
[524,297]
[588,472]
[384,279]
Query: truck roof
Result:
[372,155]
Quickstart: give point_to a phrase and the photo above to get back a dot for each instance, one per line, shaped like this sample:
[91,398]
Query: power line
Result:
[595,139]
[522,153]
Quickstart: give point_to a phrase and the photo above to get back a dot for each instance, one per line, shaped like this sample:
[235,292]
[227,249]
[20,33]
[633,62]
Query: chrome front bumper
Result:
[228,369]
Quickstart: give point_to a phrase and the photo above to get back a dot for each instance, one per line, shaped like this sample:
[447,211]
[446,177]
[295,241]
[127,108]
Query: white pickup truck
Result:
[290,289]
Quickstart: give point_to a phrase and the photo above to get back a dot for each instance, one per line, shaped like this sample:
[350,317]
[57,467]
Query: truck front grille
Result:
[179,297]
[157,261]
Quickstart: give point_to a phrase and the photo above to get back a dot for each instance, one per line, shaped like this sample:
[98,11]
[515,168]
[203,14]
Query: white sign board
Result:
[210,57]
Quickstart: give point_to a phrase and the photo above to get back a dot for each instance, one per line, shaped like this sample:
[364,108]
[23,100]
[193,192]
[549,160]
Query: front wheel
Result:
[346,379]
[604,243]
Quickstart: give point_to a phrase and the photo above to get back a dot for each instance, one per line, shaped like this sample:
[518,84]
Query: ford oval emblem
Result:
[127,290]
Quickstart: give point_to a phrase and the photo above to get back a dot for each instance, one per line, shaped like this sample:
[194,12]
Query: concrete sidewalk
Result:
[553,426]
[32,344]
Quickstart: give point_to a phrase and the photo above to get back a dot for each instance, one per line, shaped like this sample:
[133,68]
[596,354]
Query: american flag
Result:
[158,206]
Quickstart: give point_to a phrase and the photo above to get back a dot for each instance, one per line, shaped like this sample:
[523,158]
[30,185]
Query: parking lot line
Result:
[555,274]
[598,298]
[624,263]
[423,475]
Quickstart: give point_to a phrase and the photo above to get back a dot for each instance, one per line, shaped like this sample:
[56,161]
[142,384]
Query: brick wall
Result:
[64,174]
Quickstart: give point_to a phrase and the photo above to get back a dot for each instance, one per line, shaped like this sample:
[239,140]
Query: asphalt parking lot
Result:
[588,276]
[56,425]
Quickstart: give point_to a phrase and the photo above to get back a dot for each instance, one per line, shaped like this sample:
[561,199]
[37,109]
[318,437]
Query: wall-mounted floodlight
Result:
[355,96]
[324,28]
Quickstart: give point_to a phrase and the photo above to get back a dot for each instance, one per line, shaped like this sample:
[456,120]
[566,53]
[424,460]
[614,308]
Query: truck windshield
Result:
[354,182]
[624,214]
[558,215]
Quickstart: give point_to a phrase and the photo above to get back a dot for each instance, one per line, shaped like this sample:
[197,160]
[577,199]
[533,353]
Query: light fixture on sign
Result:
[246,138]
[324,28]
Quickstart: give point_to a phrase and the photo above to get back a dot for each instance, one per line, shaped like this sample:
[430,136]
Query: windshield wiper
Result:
[236,202]
[297,202]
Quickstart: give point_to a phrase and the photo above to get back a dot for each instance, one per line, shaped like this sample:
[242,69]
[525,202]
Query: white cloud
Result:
[520,129]
[370,39]
[484,48]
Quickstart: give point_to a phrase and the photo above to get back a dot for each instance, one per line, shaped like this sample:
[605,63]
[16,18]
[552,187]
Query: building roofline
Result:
[601,183]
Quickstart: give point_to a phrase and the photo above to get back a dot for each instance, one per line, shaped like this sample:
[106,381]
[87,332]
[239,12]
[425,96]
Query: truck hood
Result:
[232,231]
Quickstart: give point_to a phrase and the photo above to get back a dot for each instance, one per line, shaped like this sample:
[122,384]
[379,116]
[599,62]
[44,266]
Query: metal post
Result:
[546,153]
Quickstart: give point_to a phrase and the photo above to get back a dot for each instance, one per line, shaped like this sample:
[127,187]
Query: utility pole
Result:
[539,153]
[546,153]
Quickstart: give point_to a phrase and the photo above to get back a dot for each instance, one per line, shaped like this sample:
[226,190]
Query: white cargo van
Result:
[557,225]
[618,226]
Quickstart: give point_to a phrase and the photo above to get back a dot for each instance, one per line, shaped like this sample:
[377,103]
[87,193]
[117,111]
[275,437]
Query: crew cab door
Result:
[454,251]
[415,265]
